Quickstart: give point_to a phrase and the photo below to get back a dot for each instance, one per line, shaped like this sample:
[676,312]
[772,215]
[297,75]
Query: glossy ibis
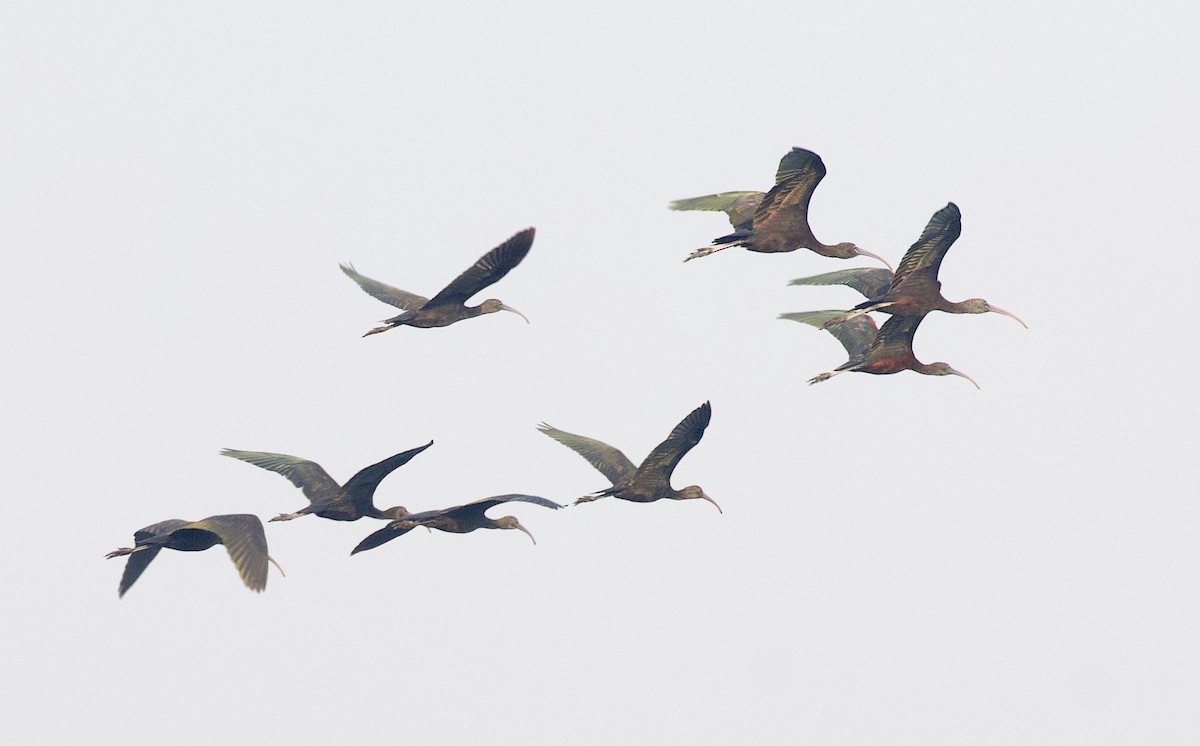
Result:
[739,206]
[461,519]
[349,502]
[780,223]
[915,289]
[652,480]
[242,535]
[449,305]
[888,350]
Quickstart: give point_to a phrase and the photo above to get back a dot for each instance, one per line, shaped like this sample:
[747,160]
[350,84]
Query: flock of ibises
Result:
[770,222]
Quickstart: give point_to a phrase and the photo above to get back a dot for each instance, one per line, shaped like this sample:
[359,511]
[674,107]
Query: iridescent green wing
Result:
[244,539]
[610,462]
[872,282]
[393,296]
[739,206]
[784,209]
[309,476]
[855,334]
[924,258]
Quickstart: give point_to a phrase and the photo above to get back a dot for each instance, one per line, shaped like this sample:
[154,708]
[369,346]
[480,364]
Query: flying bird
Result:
[780,221]
[880,352]
[915,290]
[461,519]
[652,480]
[348,502]
[242,535]
[449,305]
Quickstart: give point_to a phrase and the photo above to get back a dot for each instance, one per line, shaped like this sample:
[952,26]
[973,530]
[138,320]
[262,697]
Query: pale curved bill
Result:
[519,527]
[510,308]
[864,252]
[714,502]
[1010,314]
[964,375]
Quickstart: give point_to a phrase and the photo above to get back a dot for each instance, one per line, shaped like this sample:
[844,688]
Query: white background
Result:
[902,559]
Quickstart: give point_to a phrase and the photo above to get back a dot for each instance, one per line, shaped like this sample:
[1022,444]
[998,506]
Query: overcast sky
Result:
[902,559]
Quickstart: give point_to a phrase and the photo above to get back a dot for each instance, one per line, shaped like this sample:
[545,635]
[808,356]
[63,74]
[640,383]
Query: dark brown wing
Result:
[361,487]
[655,470]
[472,513]
[610,462]
[872,282]
[244,539]
[393,530]
[855,334]
[895,339]
[392,296]
[739,206]
[924,258]
[137,562]
[490,268]
[309,476]
[784,209]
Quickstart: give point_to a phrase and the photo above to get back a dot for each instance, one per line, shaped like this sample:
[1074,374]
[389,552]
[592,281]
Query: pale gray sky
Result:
[902,559]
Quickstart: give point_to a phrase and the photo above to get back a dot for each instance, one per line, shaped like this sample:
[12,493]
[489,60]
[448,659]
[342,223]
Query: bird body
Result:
[349,502]
[242,534]
[652,479]
[460,519]
[877,351]
[915,290]
[449,305]
[780,221]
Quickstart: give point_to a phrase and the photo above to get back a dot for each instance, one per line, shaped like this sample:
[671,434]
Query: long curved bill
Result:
[277,566]
[714,502]
[864,252]
[1010,314]
[519,527]
[964,375]
[510,308]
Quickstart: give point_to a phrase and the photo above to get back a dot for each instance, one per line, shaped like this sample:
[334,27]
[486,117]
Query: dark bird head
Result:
[979,305]
[847,250]
[693,492]
[509,521]
[491,305]
[943,369]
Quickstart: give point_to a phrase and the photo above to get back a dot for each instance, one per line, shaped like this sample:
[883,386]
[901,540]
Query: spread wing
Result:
[656,469]
[401,299]
[309,476]
[490,268]
[924,258]
[473,511]
[872,282]
[244,539]
[739,206]
[608,460]
[393,530]
[895,338]
[855,334]
[784,209]
[138,561]
[361,487]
